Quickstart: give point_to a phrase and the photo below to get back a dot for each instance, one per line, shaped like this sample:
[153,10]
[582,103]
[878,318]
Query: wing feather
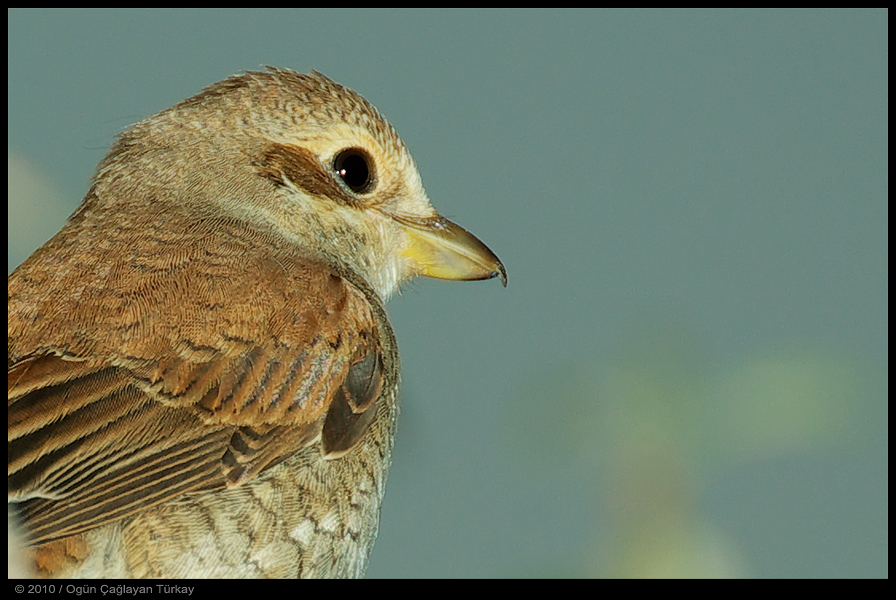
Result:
[182,376]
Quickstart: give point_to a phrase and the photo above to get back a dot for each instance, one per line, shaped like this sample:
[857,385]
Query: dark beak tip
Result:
[502,273]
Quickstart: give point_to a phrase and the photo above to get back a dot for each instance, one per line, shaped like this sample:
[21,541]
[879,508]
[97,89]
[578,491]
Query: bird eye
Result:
[355,168]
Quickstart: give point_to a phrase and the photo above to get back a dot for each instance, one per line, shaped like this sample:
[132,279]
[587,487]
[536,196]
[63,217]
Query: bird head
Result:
[303,158]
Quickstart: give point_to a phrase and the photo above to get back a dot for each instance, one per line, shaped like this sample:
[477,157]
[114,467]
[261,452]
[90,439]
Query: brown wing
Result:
[135,378]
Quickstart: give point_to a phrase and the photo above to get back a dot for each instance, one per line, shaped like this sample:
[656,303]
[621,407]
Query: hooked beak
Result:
[445,250]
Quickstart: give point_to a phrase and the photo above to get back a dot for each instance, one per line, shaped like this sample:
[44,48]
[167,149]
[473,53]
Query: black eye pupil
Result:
[354,167]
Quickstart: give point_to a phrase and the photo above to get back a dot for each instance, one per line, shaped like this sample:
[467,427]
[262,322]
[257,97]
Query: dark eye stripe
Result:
[283,163]
[352,172]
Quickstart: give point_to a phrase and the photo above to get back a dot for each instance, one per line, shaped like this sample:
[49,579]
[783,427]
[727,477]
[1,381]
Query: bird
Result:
[202,378]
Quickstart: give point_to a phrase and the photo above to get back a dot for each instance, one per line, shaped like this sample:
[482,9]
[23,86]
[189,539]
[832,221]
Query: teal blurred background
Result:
[688,372]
